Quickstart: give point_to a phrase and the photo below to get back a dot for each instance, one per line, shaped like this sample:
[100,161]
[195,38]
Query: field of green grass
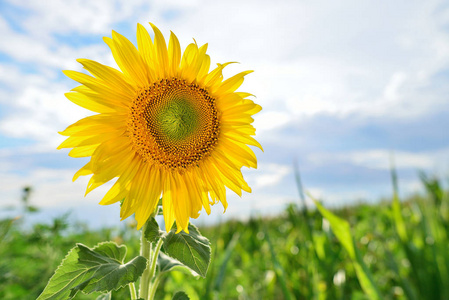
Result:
[389,250]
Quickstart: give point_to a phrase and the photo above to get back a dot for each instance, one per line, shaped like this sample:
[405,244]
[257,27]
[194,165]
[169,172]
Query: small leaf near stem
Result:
[167,264]
[192,250]
[152,232]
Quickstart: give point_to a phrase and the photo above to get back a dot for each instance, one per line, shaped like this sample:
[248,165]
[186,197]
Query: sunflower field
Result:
[389,250]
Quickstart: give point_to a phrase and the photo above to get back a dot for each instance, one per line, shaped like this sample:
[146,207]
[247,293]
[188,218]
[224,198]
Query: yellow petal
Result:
[181,203]
[98,86]
[242,109]
[174,54]
[242,138]
[189,59]
[128,59]
[110,76]
[108,150]
[108,171]
[195,176]
[77,141]
[215,77]
[85,170]
[237,120]
[239,149]
[196,193]
[233,83]
[247,129]
[150,197]
[244,95]
[147,51]
[256,107]
[99,123]
[115,102]
[232,176]
[131,202]
[84,151]
[85,102]
[161,49]
[109,199]
[198,61]
[167,203]
[119,189]
[205,65]
[136,191]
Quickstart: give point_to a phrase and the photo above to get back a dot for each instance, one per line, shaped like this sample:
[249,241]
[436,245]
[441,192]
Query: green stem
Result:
[145,251]
[155,283]
[154,259]
[132,291]
[153,287]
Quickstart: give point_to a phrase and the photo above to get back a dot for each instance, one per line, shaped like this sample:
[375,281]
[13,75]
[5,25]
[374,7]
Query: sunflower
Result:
[165,127]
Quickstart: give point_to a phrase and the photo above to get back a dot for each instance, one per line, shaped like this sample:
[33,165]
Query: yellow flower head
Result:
[166,126]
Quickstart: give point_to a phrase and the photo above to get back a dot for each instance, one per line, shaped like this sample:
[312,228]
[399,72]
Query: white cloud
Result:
[39,113]
[51,187]
[392,90]
[268,120]
[381,158]
[267,175]
[83,16]
[25,48]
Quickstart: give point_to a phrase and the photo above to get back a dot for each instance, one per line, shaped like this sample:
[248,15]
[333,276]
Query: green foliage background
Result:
[400,251]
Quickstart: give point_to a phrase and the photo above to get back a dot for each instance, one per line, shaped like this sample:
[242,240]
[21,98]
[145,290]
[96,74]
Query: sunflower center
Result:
[173,124]
[178,119]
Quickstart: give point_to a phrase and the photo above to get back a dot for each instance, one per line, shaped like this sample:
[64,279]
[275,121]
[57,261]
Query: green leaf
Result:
[180,296]
[100,269]
[166,264]
[152,231]
[396,208]
[192,250]
[340,228]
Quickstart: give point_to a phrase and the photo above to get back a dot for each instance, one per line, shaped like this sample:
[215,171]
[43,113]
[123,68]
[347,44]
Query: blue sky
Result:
[342,85]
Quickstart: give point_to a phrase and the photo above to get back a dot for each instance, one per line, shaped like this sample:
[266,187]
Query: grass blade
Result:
[342,231]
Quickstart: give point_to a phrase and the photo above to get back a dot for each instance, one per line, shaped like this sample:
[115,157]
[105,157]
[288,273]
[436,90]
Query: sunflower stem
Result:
[153,285]
[132,291]
[145,251]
